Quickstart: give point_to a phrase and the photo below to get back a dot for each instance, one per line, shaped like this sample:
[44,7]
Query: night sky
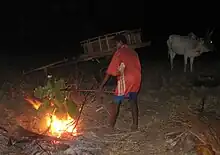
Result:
[53,30]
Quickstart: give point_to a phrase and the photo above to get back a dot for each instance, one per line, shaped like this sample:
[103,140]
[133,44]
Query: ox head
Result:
[202,46]
[208,44]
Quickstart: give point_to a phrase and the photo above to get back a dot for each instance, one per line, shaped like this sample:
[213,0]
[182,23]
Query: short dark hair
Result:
[121,38]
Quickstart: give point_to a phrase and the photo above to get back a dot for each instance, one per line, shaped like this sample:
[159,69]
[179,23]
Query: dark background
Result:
[40,32]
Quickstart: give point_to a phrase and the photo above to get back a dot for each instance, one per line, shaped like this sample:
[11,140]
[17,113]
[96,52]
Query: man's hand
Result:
[104,81]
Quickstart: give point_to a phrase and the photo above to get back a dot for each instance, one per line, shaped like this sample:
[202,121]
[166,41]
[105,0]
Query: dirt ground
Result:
[172,117]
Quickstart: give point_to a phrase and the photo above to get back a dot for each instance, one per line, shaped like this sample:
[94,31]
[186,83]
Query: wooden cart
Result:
[102,46]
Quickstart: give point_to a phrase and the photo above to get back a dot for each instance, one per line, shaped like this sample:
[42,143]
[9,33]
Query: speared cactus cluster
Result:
[55,99]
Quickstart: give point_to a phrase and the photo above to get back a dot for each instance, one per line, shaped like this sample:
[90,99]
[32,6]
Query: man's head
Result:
[120,40]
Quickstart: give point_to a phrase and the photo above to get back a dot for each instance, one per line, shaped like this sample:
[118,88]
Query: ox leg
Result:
[191,63]
[185,62]
[172,56]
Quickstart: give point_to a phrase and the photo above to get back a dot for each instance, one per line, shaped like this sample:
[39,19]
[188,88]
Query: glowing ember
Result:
[57,126]
[60,126]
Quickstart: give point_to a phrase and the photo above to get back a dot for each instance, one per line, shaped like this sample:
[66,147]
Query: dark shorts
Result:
[130,96]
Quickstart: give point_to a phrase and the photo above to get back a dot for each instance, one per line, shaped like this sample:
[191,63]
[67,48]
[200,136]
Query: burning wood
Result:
[61,111]
[60,126]
[56,126]
[58,109]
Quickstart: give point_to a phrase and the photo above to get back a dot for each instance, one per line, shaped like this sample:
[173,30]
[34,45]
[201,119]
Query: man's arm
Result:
[112,69]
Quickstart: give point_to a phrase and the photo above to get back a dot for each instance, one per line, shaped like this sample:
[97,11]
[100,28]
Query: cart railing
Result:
[102,45]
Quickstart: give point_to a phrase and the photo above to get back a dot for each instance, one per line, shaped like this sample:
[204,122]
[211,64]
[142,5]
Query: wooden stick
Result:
[86,90]
[105,91]
[46,66]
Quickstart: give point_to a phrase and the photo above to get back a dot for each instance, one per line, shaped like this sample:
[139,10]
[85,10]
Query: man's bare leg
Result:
[134,111]
[114,111]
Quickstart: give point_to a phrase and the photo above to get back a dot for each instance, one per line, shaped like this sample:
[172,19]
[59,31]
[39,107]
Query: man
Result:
[125,65]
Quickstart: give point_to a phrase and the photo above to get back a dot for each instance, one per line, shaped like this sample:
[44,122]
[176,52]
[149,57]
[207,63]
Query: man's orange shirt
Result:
[126,66]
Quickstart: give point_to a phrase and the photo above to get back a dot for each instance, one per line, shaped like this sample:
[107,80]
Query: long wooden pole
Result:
[45,67]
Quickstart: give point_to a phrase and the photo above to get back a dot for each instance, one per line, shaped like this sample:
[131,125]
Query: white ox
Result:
[190,46]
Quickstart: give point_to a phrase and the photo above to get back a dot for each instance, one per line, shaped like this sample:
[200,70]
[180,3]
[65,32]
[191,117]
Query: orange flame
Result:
[35,103]
[57,126]
[60,126]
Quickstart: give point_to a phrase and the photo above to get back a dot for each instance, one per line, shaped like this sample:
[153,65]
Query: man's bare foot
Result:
[134,127]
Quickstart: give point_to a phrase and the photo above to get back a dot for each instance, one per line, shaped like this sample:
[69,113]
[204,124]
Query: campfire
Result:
[56,126]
